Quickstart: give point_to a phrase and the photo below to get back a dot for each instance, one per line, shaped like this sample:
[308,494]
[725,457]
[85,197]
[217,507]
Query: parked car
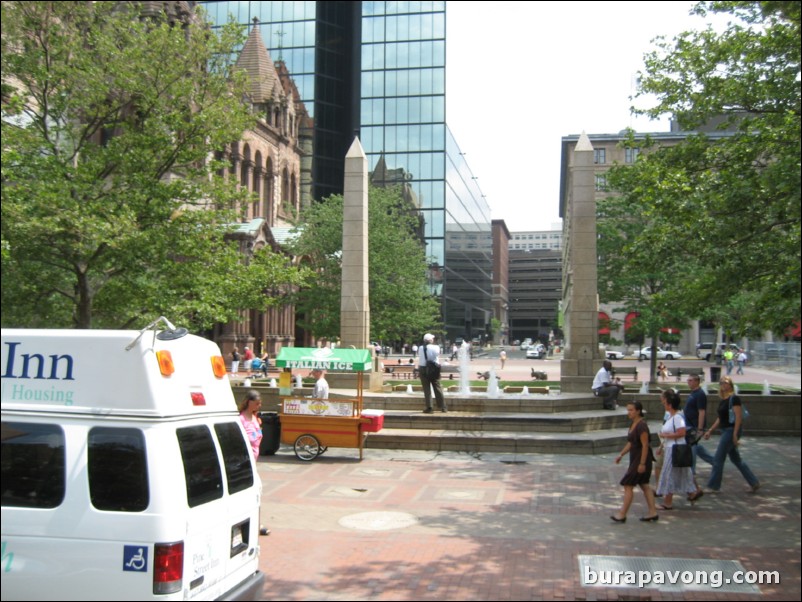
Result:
[614,355]
[536,352]
[703,351]
[525,344]
[662,354]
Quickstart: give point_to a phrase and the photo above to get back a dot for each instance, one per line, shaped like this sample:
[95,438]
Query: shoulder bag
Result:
[432,368]
[744,411]
[681,453]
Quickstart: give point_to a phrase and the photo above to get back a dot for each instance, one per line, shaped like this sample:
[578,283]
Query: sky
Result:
[521,75]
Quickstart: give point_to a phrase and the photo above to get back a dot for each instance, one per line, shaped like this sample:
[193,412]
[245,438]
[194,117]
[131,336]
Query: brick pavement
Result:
[509,527]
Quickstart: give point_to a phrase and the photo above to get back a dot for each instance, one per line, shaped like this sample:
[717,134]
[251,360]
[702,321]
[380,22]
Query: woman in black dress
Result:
[640,464]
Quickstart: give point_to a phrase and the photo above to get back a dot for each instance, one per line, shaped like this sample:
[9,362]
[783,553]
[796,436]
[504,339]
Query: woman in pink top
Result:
[249,416]
[249,408]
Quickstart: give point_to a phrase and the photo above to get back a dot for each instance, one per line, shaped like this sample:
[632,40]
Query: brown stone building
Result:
[272,161]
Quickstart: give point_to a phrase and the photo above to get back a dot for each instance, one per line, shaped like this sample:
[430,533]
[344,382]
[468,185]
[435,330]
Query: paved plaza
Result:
[415,525]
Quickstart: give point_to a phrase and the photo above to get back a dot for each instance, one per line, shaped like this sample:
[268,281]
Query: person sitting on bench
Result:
[605,387]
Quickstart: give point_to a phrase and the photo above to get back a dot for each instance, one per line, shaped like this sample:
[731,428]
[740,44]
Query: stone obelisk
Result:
[580,294]
[355,297]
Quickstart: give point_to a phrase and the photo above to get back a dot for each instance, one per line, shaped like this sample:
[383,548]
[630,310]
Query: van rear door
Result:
[221,544]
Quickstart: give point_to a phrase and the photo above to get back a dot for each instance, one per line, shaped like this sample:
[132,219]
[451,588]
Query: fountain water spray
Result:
[492,384]
[464,367]
[409,390]
[273,383]
[299,383]
[766,388]
[644,387]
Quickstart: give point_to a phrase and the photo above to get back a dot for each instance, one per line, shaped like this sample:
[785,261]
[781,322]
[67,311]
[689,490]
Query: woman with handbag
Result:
[730,421]
[676,476]
[640,464]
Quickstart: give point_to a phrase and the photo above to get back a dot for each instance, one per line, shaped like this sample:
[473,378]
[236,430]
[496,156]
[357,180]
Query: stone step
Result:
[562,422]
[588,442]
[513,404]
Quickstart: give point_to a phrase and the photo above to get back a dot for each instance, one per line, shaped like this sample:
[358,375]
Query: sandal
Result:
[692,497]
[664,507]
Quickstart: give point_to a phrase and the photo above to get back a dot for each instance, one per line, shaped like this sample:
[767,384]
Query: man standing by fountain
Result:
[428,354]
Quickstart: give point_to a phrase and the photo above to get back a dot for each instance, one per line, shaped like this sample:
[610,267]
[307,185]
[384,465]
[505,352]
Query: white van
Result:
[125,470]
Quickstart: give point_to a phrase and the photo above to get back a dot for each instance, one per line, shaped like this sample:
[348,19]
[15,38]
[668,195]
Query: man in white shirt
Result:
[428,352]
[321,389]
[605,387]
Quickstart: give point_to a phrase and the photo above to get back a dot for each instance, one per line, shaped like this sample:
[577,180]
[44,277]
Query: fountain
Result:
[299,383]
[766,388]
[246,382]
[273,383]
[464,369]
[704,388]
[736,389]
[492,384]
[409,390]
[644,387]
[525,391]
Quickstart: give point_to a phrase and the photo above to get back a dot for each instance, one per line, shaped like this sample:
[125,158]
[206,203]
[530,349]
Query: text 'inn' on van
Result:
[125,469]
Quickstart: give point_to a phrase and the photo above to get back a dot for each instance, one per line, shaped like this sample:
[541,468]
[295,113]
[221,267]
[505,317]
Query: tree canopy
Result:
[400,306]
[111,211]
[724,206]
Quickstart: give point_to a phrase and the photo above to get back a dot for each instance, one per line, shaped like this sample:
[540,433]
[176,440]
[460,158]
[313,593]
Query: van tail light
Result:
[218,366]
[166,366]
[168,567]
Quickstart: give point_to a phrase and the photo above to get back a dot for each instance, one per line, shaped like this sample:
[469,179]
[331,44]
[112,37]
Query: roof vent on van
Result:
[170,334]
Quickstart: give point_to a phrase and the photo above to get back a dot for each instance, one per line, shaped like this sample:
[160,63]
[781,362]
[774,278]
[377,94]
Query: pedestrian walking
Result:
[730,421]
[640,465]
[673,479]
[502,356]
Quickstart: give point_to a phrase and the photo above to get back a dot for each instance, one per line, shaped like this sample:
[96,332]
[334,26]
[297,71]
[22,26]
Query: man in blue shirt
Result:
[695,416]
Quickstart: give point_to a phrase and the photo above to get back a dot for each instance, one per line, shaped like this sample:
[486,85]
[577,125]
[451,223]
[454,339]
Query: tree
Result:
[400,307]
[111,212]
[729,204]
[639,269]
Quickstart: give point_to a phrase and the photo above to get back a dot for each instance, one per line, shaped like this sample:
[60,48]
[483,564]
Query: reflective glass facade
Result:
[377,70]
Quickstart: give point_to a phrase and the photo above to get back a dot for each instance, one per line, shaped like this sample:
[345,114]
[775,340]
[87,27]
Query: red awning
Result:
[795,331]
[604,323]
[630,320]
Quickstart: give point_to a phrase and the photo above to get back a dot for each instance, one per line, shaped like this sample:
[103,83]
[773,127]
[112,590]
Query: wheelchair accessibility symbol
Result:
[135,558]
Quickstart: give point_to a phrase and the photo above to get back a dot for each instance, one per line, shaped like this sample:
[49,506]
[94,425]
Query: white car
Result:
[662,354]
[536,352]
[614,355]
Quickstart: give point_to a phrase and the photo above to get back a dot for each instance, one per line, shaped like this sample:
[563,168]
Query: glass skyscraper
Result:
[377,70]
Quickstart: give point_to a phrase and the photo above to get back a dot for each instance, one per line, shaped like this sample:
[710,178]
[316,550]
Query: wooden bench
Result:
[680,371]
[402,370]
[631,370]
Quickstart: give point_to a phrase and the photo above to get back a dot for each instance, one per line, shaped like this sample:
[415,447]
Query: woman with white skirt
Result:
[673,480]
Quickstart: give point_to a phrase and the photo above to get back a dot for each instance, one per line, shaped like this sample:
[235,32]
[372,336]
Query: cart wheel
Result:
[307,447]
[322,451]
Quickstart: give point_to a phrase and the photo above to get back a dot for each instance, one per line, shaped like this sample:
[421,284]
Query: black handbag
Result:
[681,453]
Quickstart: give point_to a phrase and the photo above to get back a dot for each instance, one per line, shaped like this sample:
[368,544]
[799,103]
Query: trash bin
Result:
[715,373]
[271,433]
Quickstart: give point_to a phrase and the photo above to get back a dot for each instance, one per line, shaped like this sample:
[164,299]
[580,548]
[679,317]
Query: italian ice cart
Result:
[312,425]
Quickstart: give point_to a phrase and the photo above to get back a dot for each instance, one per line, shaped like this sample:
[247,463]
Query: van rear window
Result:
[236,455]
[202,472]
[32,465]
[118,473]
